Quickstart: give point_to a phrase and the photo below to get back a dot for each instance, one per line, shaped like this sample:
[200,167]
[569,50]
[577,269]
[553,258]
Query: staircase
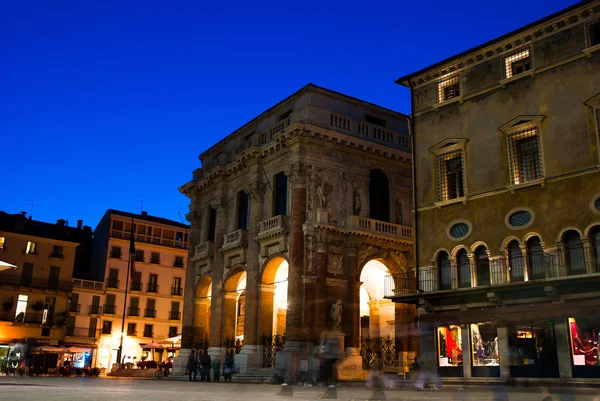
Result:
[256,375]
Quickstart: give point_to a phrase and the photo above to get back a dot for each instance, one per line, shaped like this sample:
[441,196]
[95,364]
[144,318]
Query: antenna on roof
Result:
[31,204]
[141,205]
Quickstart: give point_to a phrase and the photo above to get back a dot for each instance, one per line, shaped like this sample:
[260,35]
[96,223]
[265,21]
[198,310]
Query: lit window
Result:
[21,308]
[450,350]
[525,156]
[593,31]
[450,175]
[448,88]
[517,63]
[31,248]
[2,243]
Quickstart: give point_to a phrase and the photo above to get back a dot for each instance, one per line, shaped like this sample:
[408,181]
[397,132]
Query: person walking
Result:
[216,368]
[228,367]
[192,365]
[206,365]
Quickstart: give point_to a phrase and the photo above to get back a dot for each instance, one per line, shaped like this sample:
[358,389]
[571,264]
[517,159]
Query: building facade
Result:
[508,204]
[154,291]
[35,296]
[303,208]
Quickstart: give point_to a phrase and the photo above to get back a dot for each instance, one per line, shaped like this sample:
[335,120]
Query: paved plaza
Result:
[99,389]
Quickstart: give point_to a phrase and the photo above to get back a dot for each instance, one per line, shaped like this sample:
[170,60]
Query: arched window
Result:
[595,245]
[574,256]
[515,262]
[535,259]
[379,196]
[464,269]
[444,271]
[482,263]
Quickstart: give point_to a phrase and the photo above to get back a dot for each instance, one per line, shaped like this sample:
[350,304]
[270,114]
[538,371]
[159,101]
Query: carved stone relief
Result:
[327,190]
[335,264]
[357,202]
[310,254]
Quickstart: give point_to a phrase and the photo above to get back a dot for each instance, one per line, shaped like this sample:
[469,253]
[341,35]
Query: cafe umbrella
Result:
[6,266]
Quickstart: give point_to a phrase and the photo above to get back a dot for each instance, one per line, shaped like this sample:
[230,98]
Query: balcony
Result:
[174,315]
[85,332]
[152,287]
[112,283]
[203,251]
[74,308]
[149,239]
[133,311]
[136,286]
[148,333]
[376,228]
[151,313]
[131,333]
[88,285]
[236,239]
[272,227]
[176,291]
[95,309]
[36,283]
[110,309]
[545,268]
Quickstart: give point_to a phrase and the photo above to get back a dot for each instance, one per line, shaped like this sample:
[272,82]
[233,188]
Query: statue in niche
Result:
[399,211]
[321,195]
[357,207]
[336,314]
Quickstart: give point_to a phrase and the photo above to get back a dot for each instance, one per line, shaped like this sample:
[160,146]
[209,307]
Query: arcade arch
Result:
[274,296]
[234,304]
[377,315]
[202,310]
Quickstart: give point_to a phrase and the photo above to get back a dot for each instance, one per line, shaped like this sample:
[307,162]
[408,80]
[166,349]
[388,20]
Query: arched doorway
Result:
[379,196]
[202,311]
[376,313]
[274,297]
[234,304]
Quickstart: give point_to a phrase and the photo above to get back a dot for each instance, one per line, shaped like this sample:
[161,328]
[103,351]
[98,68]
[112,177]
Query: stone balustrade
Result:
[235,239]
[378,227]
[203,250]
[273,226]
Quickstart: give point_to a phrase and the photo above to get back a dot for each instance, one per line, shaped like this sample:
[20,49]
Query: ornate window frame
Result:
[593,203]
[441,151]
[594,105]
[588,36]
[459,239]
[515,210]
[446,81]
[520,127]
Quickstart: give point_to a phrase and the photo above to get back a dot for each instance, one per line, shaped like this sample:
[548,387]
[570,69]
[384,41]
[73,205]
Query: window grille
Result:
[525,156]
[517,63]
[449,88]
[450,175]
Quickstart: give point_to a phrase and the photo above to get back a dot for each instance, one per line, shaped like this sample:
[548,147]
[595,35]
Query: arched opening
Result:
[464,269]
[516,263]
[376,313]
[202,311]
[574,254]
[274,297]
[234,304]
[482,264]
[595,245]
[444,271]
[379,196]
[535,259]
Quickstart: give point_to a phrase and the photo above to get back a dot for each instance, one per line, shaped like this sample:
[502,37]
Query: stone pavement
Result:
[103,389]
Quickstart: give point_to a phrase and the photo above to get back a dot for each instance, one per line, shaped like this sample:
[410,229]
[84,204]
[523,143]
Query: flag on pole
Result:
[132,252]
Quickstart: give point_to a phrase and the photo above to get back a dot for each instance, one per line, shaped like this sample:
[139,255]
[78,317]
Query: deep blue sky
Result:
[103,103]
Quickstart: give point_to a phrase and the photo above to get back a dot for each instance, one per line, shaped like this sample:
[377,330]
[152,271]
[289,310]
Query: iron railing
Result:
[37,283]
[174,315]
[152,287]
[133,311]
[175,290]
[110,309]
[380,352]
[136,286]
[95,309]
[148,239]
[112,283]
[271,345]
[150,313]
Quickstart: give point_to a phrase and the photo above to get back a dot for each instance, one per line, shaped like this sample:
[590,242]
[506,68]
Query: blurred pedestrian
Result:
[192,365]
[216,368]
[206,365]
[228,367]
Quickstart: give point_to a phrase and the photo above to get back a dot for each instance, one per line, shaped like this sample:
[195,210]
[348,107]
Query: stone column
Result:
[503,352]
[466,347]
[201,320]
[428,353]
[525,263]
[321,289]
[310,304]
[374,318]
[563,349]
[588,256]
[267,293]
[352,318]
[216,340]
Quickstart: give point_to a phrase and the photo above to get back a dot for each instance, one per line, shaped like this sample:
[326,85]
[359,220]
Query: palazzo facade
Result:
[508,203]
[306,205]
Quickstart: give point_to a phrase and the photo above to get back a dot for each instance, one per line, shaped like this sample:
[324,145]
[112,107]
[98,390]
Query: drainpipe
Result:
[412,131]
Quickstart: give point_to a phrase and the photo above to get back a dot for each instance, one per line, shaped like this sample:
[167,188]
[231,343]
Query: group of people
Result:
[204,364]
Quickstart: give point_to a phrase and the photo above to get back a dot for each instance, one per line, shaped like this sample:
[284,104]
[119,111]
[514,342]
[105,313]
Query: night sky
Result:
[104,103]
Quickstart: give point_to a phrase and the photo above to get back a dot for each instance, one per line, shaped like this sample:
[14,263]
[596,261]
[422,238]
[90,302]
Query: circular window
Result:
[597,204]
[519,218]
[459,230]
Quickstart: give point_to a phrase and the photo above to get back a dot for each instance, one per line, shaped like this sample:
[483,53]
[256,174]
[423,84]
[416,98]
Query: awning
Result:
[6,266]
[75,350]
[48,348]
[172,340]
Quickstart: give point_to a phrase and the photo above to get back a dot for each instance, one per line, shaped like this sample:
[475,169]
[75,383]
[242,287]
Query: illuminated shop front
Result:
[484,350]
[450,351]
[585,349]
[532,350]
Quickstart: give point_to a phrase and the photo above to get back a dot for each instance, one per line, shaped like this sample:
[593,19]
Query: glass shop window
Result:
[484,338]
[450,350]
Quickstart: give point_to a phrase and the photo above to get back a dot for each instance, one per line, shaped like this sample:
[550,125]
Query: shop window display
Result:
[485,345]
[450,350]
[585,337]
